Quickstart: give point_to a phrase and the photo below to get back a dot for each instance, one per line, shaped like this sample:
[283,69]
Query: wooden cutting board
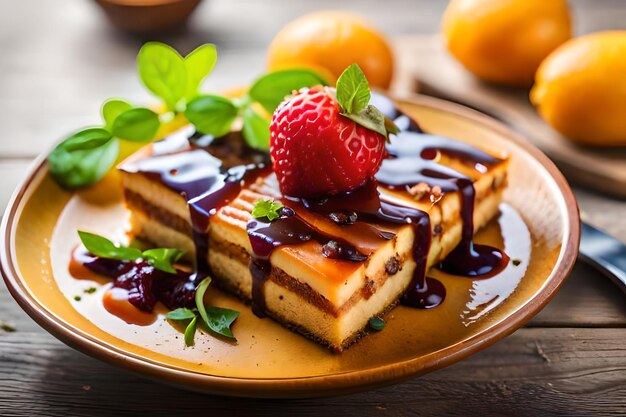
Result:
[427,68]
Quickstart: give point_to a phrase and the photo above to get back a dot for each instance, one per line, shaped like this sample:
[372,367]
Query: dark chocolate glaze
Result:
[412,160]
[189,164]
[289,229]
[372,207]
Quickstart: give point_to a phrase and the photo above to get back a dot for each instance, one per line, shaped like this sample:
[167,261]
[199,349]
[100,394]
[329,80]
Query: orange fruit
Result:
[329,42]
[580,89]
[504,41]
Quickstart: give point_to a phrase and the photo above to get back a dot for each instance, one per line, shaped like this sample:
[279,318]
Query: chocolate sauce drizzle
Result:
[289,229]
[413,160]
[186,163]
[210,173]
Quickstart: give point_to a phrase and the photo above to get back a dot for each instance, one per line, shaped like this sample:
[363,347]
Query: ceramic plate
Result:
[538,225]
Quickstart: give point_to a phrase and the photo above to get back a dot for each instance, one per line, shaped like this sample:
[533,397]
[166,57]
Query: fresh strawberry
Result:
[325,141]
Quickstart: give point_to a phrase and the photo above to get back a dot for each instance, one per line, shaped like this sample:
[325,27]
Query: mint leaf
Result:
[270,90]
[104,248]
[353,91]
[83,158]
[211,115]
[163,258]
[199,297]
[199,63]
[136,125]
[180,314]
[217,319]
[190,332]
[220,319]
[111,109]
[269,209]
[86,139]
[370,118]
[162,70]
[256,129]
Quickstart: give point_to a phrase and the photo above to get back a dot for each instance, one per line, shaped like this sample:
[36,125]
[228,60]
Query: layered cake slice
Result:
[325,264]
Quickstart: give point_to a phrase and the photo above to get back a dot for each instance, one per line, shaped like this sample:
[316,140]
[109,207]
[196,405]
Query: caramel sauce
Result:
[115,301]
[78,266]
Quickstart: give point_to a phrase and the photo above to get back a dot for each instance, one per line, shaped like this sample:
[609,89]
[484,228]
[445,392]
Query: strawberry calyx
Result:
[353,95]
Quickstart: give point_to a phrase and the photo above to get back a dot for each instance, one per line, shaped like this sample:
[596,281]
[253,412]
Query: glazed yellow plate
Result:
[538,225]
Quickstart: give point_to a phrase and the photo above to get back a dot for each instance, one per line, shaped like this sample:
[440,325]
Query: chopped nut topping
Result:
[418,191]
[436,193]
[421,190]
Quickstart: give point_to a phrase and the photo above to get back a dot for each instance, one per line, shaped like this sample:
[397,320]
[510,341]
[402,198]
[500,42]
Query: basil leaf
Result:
[270,90]
[162,70]
[199,63]
[104,248]
[163,258]
[180,314]
[256,129]
[220,319]
[353,91]
[111,109]
[83,158]
[217,319]
[87,139]
[370,118]
[211,115]
[190,332]
[199,297]
[136,125]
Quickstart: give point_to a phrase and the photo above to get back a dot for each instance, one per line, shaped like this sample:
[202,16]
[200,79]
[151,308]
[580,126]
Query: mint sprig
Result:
[175,80]
[269,209]
[270,90]
[353,96]
[214,115]
[216,319]
[160,258]
[162,71]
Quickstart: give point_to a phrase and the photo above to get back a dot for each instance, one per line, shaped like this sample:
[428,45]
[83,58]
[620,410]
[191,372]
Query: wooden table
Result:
[60,60]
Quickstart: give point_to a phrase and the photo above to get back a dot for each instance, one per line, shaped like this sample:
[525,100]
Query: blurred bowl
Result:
[147,16]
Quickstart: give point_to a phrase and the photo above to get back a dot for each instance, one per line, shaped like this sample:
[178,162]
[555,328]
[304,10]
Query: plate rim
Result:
[309,386]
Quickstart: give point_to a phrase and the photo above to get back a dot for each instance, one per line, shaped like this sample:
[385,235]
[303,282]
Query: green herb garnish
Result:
[216,319]
[516,262]
[190,332]
[269,209]
[270,90]
[161,258]
[181,314]
[211,114]
[90,290]
[77,298]
[83,158]
[376,323]
[86,156]
[215,115]
[353,95]
[6,326]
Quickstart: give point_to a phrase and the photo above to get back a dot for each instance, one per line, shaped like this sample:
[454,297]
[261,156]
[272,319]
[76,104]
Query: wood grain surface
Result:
[61,59]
